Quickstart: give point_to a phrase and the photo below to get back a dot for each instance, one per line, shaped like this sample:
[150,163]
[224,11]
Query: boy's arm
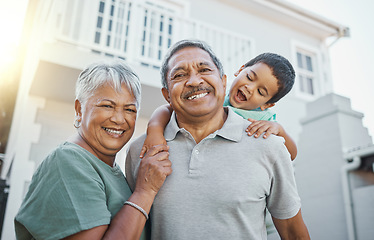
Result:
[290,144]
[156,126]
[269,127]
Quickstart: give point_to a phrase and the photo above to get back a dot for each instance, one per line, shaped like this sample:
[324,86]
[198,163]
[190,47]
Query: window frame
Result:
[315,74]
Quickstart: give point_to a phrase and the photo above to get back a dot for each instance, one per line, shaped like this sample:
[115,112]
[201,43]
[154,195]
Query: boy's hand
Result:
[258,127]
[151,141]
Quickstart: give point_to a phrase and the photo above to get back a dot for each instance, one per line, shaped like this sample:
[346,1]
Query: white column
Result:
[22,168]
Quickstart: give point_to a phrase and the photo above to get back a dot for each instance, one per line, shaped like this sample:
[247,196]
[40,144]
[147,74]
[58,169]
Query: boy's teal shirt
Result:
[256,114]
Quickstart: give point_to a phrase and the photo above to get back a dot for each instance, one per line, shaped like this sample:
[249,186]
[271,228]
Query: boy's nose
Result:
[250,87]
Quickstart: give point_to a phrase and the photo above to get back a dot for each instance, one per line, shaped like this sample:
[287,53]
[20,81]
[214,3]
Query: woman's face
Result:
[108,121]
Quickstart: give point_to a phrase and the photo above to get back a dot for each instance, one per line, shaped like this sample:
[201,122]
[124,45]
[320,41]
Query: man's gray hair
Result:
[114,72]
[181,45]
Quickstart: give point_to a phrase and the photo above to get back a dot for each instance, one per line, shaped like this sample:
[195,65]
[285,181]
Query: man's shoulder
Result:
[137,142]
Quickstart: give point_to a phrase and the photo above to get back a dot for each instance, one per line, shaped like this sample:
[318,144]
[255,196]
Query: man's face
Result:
[195,86]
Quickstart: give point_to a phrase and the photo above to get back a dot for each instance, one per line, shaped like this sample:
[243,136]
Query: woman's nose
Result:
[118,116]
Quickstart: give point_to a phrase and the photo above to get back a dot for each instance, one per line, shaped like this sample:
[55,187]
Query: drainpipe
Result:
[347,194]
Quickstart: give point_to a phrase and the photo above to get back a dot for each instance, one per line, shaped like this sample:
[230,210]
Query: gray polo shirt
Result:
[220,187]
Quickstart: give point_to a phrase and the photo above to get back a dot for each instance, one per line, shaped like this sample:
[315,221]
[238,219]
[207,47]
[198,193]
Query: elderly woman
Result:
[78,192]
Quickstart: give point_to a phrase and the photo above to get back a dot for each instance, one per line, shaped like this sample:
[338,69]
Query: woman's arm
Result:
[129,222]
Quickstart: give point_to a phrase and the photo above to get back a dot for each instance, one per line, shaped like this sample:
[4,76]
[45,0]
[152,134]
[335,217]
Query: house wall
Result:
[268,36]
[330,128]
[54,116]
[363,207]
[56,119]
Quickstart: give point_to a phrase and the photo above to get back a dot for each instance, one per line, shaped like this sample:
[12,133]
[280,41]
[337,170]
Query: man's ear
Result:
[78,108]
[165,93]
[267,105]
[237,72]
[224,81]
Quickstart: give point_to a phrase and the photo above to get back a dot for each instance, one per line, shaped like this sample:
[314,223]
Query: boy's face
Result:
[253,87]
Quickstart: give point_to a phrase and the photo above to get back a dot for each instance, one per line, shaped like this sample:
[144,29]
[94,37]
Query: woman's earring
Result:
[77,122]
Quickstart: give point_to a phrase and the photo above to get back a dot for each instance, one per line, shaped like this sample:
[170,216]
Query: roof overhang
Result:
[293,16]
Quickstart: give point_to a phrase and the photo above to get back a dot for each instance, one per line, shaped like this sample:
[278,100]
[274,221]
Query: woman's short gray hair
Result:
[114,72]
[181,45]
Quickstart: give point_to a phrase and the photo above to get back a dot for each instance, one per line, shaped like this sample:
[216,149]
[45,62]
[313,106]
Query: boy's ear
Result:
[165,93]
[267,105]
[237,72]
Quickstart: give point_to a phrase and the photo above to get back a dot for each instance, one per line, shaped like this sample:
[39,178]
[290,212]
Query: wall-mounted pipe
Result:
[347,194]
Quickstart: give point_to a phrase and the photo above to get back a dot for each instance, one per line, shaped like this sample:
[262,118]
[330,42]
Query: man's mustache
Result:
[195,90]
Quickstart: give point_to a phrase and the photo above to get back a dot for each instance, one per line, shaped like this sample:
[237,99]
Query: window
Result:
[306,73]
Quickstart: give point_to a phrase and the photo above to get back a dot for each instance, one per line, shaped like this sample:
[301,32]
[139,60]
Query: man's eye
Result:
[205,70]
[179,75]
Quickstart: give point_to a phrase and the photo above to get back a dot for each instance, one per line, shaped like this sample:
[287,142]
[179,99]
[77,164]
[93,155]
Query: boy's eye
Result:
[261,92]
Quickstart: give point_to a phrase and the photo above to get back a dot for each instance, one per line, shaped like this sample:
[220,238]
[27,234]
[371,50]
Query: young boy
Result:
[258,85]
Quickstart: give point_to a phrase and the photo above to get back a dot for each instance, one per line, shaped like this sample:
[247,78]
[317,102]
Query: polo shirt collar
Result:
[232,129]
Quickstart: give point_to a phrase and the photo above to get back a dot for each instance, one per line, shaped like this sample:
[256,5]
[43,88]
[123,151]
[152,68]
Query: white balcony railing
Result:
[139,32]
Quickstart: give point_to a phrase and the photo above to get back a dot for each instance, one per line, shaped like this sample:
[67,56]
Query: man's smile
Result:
[197,96]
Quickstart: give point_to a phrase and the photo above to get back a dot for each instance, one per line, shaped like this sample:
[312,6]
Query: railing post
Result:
[133,47]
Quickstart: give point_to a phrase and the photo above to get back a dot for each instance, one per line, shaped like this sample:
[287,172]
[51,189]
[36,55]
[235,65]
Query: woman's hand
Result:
[153,170]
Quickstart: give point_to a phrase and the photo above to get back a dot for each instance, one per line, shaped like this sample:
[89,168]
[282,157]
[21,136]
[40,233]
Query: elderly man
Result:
[223,180]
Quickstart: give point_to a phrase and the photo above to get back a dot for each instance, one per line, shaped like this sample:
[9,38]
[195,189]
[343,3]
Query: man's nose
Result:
[194,80]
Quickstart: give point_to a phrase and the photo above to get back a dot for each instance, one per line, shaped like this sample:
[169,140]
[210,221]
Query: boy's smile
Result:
[253,87]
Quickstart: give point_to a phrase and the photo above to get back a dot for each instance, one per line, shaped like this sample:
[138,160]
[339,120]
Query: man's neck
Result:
[201,127]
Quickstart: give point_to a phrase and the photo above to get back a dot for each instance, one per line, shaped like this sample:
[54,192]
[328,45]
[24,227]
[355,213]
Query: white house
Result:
[63,36]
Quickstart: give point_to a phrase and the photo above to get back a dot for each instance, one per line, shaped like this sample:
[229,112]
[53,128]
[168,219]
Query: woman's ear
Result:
[267,105]
[78,108]
[237,72]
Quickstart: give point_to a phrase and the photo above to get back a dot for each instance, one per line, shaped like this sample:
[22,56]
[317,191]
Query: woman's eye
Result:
[131,110]
[106,106]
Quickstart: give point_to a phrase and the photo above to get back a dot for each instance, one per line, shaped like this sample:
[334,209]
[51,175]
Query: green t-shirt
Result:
[71,191]
[256,114]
